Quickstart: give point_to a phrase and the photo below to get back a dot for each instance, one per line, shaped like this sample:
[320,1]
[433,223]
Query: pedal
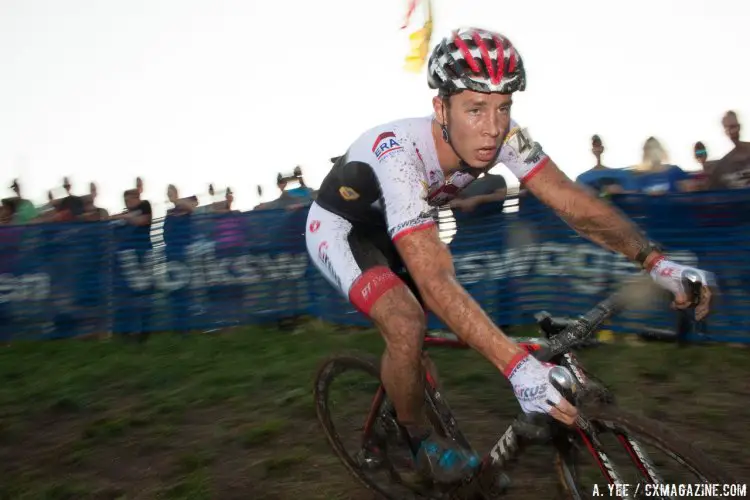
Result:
[369,459]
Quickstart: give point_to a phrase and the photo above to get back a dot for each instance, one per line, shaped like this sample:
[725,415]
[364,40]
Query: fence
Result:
[207,272]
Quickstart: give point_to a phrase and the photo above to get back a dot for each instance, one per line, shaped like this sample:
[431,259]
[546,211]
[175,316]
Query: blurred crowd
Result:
[484,200]
[15,210]
[655,175]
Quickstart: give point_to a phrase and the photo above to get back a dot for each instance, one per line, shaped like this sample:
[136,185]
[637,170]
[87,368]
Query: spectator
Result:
[48,210]
[290,199]
[90,211]
[70,208]
[137,213]
[219,207]
[134,285]
[177,238]
[7,211]
[182,206]
[24,210]
[605,181]
[656,177]
[225,207]
[303,194]
[699,180]
[733,170]
[701,156]
[229,233]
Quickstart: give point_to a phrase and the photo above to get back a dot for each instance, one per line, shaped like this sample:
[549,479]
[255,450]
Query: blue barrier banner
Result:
[203,272]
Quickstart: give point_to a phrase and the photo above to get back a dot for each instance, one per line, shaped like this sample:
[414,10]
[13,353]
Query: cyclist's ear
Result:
[438,105]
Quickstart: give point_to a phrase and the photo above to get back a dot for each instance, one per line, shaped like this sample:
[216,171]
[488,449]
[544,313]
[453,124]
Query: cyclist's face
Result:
[477,123]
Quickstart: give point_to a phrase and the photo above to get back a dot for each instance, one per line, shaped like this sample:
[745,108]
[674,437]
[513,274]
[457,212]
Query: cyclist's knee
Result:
[400,318]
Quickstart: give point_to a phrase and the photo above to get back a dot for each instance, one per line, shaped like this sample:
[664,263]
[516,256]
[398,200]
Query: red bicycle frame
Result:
[429,341]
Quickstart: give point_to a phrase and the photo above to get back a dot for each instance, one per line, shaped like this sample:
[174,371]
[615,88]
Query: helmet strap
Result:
[444,129]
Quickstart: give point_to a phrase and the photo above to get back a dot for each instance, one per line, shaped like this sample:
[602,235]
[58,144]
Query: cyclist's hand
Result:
[669,275]
[531,385]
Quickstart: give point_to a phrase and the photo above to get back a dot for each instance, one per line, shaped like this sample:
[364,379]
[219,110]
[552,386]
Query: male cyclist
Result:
[375,212]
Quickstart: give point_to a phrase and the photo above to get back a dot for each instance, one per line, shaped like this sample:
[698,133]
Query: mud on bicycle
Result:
[381,458]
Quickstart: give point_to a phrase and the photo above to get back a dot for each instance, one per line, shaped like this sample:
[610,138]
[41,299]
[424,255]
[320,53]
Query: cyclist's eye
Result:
[474,111]
[505,110]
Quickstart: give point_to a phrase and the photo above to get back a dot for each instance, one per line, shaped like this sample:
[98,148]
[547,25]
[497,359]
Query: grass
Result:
[231,415]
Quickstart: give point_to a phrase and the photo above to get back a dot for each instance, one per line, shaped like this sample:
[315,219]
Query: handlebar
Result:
[585,326]
[529,425]
[582,328]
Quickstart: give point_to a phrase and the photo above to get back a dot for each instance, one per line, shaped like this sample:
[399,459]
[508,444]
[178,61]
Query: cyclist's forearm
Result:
[603,224]
[445,297]
[588,215]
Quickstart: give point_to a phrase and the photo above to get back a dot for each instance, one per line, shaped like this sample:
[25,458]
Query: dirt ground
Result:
[231,416]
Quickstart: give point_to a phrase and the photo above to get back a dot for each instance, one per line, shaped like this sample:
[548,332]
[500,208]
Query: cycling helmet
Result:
[478,60]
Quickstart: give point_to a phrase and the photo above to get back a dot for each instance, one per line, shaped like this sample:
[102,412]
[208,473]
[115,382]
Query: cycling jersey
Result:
[389,184]
[390,176]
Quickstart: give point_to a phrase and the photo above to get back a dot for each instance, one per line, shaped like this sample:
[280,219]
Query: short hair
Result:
[596,140]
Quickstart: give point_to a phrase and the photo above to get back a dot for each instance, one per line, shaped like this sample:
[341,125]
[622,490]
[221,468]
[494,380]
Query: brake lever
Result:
[693,286]
[535,426]
[562,380]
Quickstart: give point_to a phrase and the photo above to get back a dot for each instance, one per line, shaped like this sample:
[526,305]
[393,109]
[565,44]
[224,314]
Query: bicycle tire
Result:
[616,419]
[331,367]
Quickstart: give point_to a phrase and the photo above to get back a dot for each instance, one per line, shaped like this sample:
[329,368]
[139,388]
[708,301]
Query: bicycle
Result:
[382,435]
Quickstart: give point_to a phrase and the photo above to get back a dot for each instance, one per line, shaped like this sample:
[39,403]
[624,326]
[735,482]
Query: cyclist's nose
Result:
[493,126]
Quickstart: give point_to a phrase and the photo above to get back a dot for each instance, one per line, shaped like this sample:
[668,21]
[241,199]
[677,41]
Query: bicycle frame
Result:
[555,348]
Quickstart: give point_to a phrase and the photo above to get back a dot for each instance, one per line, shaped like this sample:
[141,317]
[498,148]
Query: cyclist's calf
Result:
[401,320]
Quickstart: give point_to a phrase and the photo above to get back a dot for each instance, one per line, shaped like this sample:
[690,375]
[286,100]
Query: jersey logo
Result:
[348,193]
[385,144]
[521,147]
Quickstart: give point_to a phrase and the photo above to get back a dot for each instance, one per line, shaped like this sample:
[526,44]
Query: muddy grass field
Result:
[231,416]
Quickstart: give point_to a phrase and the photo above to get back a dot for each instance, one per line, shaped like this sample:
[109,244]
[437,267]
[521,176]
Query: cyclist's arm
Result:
[430,266]
[588,215]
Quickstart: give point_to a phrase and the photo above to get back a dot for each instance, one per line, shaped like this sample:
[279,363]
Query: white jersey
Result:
[391,177]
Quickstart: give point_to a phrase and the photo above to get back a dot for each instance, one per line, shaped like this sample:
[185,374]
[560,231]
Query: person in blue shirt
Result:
[656,177]
[605,180]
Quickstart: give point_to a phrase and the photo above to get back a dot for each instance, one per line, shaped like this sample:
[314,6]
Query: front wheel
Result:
[627,449]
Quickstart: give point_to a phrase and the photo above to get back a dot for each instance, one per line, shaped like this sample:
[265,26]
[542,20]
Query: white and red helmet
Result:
[478,60]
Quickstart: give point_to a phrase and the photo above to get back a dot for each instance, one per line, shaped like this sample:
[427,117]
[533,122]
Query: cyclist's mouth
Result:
[486,154]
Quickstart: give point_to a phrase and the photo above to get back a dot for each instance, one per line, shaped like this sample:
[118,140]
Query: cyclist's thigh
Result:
[384,245]
[351,258]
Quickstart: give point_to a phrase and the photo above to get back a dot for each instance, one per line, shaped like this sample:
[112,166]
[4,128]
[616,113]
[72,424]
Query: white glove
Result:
[531,385]
[668,275]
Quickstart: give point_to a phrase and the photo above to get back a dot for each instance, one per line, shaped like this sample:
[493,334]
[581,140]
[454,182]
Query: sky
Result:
[231,92]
